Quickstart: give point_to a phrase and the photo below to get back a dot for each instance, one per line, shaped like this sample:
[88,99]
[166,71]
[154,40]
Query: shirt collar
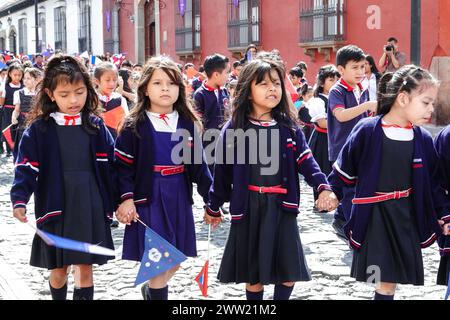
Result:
[63,119]
[348,87]
[106,98]
[208,87]
[263,123]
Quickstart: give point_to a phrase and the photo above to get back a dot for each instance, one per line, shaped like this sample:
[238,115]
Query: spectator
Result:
[250,53]
[372,77]
[392,58]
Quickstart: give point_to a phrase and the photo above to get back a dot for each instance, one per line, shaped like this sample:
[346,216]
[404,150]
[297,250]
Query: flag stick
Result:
[209,237]
[142,223]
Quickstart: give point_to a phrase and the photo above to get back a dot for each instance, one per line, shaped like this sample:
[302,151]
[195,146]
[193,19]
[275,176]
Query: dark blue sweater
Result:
[39,170]
[358,164]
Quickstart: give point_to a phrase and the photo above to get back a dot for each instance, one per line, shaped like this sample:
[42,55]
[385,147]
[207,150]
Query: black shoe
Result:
[114,224]
[145,291]
[338,226]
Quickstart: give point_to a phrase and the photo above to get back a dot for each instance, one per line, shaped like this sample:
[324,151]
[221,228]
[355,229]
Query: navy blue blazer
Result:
[231,180]
[358,164]
[134,161]
[442,144]
[38,170]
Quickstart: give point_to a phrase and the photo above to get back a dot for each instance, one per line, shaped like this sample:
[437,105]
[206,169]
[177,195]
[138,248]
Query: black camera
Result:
[389,47]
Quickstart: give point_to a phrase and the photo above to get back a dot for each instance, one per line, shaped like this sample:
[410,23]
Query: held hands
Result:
[20,214]
[327,201]
[14,120]
[214,221]
[445,228]
[126,213]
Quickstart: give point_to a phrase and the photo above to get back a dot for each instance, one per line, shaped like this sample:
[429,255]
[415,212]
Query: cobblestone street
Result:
[328,257]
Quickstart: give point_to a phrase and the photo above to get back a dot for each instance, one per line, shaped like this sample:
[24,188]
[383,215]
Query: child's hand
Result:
[214,221]
[126,213]
[327,201]
[445,228]
[14,120]
[372,106]
[20,214]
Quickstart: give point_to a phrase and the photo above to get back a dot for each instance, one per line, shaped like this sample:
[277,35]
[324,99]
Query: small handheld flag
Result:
[8,136]
[202,277]
[69,244]
[159,256]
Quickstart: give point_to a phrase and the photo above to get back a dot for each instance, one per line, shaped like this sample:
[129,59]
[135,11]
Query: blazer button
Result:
[284,179]
[284,155]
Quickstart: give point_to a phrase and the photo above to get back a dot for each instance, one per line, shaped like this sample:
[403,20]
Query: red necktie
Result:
[70,118]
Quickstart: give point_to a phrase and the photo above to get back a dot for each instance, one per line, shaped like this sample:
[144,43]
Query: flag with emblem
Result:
[8,136]
[159,256]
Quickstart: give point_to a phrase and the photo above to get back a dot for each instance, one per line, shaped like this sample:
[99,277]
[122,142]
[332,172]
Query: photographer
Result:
[392,59]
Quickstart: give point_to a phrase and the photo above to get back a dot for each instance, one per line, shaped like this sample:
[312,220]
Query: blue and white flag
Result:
[69,244]
[159,256]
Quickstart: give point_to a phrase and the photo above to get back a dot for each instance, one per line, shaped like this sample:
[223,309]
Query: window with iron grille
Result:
[60,29]
[41,32]
[84,26]
[322,20]
[23,36]
[244,21]
[187,26]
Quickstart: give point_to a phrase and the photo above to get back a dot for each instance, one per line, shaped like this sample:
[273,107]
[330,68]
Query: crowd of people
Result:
[96,141]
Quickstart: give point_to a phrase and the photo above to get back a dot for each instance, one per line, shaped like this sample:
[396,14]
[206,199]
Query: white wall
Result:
[71,25]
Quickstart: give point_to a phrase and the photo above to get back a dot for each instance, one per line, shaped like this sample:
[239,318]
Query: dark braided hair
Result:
[407,79]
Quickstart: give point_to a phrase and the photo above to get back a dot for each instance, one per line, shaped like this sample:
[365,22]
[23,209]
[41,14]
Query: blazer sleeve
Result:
[307,165]
[345,169]
[124,163]
[200,171]
[220,190]
[439,166]
[26,170]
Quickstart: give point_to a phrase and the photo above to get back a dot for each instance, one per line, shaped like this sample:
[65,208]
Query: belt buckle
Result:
[260,189]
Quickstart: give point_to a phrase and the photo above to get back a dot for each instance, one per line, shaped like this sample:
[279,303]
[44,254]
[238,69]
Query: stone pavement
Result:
[328,257]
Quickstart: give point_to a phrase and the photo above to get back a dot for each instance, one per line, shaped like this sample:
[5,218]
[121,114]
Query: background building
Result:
[69,25]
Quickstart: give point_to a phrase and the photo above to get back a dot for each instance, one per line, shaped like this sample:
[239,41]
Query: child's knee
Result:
[255,287]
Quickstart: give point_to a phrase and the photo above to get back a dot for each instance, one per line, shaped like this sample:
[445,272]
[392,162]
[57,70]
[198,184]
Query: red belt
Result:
[169,170]
[319,129]
[274,189]
[383,196]
[9,106]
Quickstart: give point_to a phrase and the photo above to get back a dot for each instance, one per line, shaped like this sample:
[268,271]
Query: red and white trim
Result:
[344,176]
[124,156]
[304,155]
[127,195]
[102,157]
[323,187]
[289,205]
[429,241]
[446,218]
[353,242]
[25,163]
[444,250]
[236,216]
[48,215]
[20,204]
[212,212]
